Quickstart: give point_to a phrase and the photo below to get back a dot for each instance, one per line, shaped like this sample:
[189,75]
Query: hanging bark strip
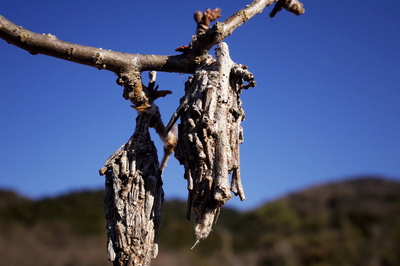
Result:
[209,137]
[134,196]
[134,193]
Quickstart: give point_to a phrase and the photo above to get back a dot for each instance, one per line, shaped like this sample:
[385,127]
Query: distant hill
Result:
[351,222]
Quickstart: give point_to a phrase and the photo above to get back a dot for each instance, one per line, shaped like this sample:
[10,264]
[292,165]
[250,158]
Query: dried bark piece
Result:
[134,196]
[134,193]
[209,136]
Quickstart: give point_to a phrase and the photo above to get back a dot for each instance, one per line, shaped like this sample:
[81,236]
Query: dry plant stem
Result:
[169,139]
[209,137]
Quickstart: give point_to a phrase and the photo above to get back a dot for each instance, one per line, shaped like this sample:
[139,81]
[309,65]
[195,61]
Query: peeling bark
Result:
[134,196]
[209,136]
[134,193]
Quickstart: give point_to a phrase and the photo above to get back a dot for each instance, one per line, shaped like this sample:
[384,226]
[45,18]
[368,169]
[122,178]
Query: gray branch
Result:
[119,62]
[128,67]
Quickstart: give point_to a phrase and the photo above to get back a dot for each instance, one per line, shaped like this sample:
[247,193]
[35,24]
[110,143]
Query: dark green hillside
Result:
[352,222]
[67,230]
[81,212]
[8,198]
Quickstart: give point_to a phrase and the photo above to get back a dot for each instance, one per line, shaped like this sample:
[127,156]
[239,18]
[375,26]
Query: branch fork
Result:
[209,132]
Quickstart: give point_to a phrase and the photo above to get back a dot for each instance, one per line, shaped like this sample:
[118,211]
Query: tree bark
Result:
[134,193]
[134,196]
[209,136]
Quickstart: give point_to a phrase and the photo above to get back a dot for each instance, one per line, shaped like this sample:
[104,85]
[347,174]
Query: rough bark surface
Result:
[209,137]
[134,193]
[134,196]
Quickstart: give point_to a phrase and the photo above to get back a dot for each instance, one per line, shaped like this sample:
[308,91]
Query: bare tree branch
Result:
[216,34]
[128,66]
[116,62]
[119,62]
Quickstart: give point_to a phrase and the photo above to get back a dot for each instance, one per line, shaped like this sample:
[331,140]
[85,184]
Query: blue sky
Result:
[326,107]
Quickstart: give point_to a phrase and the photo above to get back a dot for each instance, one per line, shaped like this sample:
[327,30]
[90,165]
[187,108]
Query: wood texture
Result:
[209,136]
[134,196]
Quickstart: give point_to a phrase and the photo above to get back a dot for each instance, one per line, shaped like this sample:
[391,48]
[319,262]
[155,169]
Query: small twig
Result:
[204,19]
[169,139]
[195,244]
[170,143]
[153,89]
[293,6]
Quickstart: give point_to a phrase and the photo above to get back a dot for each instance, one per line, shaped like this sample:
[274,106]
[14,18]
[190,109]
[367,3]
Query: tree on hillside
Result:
[209,132]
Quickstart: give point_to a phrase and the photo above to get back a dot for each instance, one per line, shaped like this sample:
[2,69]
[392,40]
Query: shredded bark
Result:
[209,136]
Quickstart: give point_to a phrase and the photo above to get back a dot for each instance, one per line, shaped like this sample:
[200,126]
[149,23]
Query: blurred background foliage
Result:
[352,222]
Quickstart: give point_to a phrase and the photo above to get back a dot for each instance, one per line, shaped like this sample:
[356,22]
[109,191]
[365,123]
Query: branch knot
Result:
[133,89]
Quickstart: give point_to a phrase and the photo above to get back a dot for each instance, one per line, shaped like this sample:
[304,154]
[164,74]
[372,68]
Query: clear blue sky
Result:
[327,104]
